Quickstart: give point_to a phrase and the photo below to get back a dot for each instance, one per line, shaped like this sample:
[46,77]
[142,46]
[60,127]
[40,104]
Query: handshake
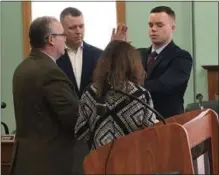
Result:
[120,33]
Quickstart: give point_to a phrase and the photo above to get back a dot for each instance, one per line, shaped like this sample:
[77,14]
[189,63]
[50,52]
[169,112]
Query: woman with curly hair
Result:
[104,114]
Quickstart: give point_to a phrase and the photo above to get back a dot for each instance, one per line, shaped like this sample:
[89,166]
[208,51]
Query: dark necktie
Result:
[151,58]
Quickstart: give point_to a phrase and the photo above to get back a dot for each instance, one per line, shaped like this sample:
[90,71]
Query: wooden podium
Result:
[7,143]
[213,80]
[159,149]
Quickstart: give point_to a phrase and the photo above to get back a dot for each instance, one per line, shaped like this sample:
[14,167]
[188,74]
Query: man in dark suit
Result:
[79,62]
[45,105]
[168,66]
[80,58]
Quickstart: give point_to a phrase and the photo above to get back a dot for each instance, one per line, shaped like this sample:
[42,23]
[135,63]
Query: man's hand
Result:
[120,33]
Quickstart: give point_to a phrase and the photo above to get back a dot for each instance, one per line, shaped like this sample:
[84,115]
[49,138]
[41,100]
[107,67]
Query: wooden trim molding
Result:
[26,19]
[213,79]
[211,67]
[121,12]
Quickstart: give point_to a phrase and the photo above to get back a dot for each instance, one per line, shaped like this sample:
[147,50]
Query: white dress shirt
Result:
[158,50]
[76,57]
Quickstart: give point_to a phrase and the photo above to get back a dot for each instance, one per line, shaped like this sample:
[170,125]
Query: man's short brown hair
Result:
[40,28]
[165,9]
[70,11]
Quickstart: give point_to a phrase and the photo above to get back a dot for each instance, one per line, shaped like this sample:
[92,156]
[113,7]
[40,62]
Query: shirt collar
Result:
[68,48]
[159,49]
[49,56]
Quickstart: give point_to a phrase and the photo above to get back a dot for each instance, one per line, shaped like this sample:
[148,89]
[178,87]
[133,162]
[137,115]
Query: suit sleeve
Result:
[61,98]
[176,75]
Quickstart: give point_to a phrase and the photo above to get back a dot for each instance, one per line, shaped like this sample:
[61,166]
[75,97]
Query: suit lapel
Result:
[69,70]
[161,57]
[86,63]
[144,53]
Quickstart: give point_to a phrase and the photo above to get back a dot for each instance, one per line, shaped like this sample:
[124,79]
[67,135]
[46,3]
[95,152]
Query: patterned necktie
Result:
[151,58]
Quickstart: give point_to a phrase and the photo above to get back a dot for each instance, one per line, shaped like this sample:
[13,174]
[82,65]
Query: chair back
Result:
[212,104]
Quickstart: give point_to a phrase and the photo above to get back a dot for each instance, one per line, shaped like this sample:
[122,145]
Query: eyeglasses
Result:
[57,34]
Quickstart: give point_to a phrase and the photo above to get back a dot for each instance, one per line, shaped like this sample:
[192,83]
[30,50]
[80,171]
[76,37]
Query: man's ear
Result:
[172,23]
[173,27]
[50,40]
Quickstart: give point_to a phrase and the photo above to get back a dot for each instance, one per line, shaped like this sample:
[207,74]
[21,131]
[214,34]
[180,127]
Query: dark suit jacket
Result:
[90,57]
[46,108]
[167,78]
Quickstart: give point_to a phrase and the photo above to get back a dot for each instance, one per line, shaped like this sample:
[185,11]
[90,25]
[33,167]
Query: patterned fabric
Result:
[123,116]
